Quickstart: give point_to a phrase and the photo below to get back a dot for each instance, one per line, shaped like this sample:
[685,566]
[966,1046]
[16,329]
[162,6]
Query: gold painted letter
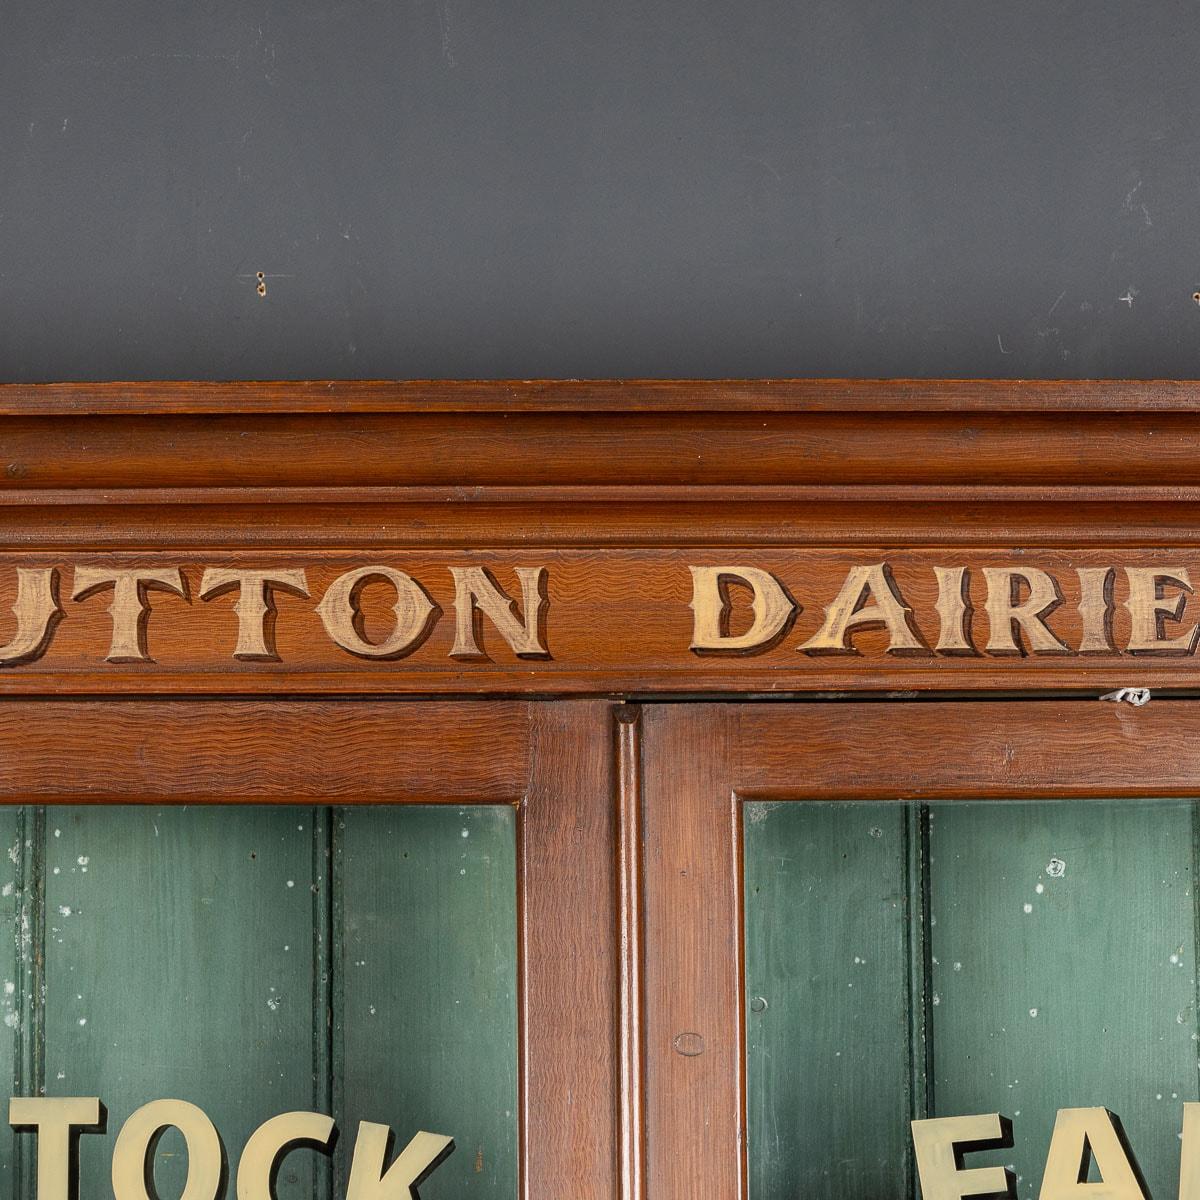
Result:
[37,612]
[711,604]
[254,608]
[54,1118]
[270,1142]
[1006,610]
[1081,1136]
[850,611]
[130,609]
[412,1166]
[940,1143]
[475,591]
[133,1163]
[1149,610]
[343,619]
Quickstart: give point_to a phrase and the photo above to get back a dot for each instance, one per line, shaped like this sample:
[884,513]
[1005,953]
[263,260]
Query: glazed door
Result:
[391,912]
[860,914]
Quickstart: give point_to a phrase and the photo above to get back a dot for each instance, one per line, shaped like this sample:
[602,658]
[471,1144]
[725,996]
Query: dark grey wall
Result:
[552,187]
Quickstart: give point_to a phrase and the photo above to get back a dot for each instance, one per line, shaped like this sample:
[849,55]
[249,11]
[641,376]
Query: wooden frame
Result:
[606,494]
[701,763]
[612,491]
[552,761]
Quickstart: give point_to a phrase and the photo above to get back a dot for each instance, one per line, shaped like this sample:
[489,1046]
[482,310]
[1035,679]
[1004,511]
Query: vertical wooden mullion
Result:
[694,1046]
[569,963]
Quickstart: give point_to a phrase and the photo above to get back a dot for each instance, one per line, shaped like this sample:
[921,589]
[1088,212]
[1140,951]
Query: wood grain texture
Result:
[703,763]
[676,449]
[176,752]
[570,1098]
[615,620]
[555,762]
[618,395]
[694,1034]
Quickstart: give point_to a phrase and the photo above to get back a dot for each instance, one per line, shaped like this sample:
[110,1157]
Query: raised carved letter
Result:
[954,611]
[130,608]
[37,612]
[340,612]
[1006,610]
[1081,1136]
[56,1120]
[475,591]
[850,611]
[1149,610]
[254,607]
[133,1164]
[1096,609]
[772,607]
[939,1144]
[412,1166]
[270,1142]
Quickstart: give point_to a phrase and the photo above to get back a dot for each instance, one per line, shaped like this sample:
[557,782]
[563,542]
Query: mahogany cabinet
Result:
[668,790]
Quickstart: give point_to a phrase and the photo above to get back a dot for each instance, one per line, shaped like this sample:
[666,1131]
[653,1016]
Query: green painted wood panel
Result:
[180,959]
[426,986]
[16,969]
[1077,988]
[828,988]
[1053,963]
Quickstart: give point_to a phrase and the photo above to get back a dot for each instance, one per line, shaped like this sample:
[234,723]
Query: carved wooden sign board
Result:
[425,620]
[597,538]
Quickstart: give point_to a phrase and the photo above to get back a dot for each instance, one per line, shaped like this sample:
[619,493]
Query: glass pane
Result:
[257,960]
[963,958]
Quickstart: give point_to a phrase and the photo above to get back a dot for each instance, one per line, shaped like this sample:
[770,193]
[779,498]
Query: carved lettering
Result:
[343,619]
[132,1162]
[850,611]
[37,611]
[1096,609]
[268,1144]
[476,592]
[1149,610]
[254,608]
[1007,611]
[954,611]
[1083,1136]
[372,1179]
[772,608]
[130,607]
[939,1144]
[57,1119]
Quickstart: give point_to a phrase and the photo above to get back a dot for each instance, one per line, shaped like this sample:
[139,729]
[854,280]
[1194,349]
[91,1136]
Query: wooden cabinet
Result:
[669,791]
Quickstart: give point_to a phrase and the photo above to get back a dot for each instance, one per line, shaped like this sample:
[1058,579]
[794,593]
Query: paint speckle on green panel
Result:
[179,963]
[827,977]
[1064,970]
[426,1019]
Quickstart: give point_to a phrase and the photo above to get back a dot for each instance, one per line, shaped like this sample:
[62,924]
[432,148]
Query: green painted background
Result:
[253,960]
[906,960]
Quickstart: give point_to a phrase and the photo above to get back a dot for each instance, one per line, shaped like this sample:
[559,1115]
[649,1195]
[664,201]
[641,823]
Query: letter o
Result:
[342,617]
[133,1163]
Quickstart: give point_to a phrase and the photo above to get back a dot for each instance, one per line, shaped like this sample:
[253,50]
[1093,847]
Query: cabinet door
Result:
[400,913]
[861,914]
